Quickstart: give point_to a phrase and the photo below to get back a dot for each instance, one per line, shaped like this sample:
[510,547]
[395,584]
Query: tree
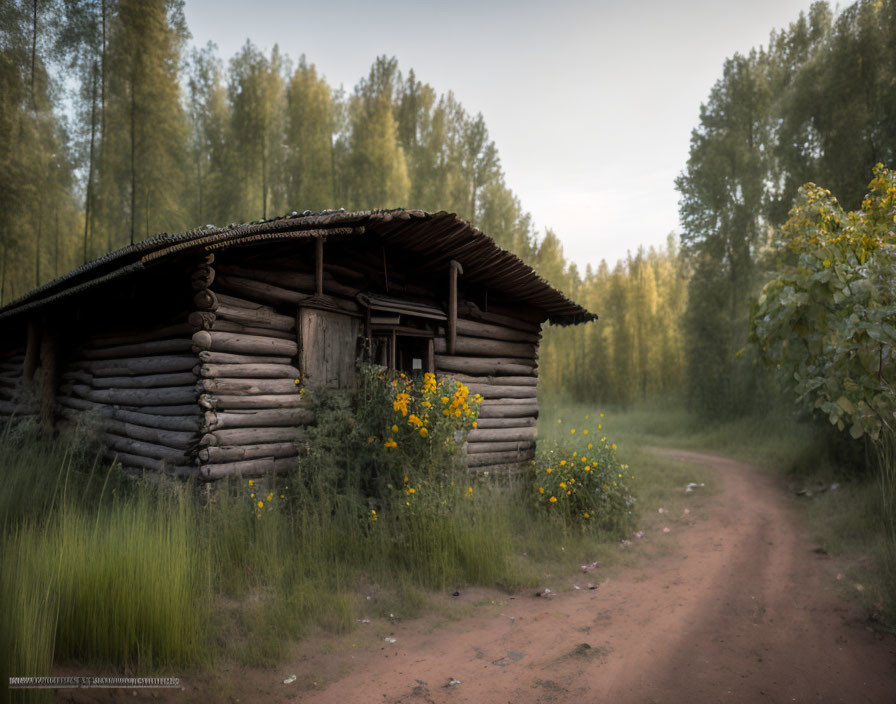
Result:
[310,128]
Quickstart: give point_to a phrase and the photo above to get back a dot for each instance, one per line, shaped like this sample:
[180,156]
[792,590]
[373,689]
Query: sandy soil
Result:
[740,610]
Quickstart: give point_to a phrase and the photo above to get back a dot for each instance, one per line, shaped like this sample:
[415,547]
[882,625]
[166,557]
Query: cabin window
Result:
[327,348]
[405,353]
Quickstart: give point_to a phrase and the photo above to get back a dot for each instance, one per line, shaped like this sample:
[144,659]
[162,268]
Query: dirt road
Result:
[742,611]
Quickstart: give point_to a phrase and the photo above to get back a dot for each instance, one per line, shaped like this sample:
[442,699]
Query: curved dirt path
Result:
[743,611]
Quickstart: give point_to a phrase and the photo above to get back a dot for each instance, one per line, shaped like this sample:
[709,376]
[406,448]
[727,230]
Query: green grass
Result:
[153,578]
[150,577]
[848,522]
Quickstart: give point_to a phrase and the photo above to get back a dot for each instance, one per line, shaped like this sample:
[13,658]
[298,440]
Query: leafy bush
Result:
[580,481]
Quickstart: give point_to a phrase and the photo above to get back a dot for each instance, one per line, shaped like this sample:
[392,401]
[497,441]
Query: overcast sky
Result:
[591,104]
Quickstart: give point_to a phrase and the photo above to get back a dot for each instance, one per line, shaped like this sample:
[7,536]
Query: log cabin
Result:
[186,347]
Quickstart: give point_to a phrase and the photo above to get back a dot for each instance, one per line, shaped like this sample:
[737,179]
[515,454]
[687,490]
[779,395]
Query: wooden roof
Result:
[442,237]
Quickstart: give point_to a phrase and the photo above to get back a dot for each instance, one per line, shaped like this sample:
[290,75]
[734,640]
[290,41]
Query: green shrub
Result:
[582,482]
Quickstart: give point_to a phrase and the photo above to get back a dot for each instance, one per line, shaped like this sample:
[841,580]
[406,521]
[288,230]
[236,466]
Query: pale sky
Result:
[591,104]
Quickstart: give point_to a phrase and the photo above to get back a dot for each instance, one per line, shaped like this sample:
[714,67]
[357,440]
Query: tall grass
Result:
[151,578]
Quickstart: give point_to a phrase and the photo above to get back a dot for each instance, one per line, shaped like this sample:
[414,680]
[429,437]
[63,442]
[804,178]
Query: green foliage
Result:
[579,480]
[395,429]
[828,317]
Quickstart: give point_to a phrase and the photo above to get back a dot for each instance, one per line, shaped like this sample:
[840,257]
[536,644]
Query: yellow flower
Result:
[394,428]
[599,426]
[444,400]
[562,462]
[601,415]
[541,490]
[414,419]
[390,443]
[423,432]
[271,496]
[559,421]
[586,515]
[620,476]
[553,499]
[590,445]
[282,496]
[405,478]
[251,496]
[475,424]
[372,514]
[572,432]
[370,439]
[613,446]
[251,482]
[562,485]
[412,490]
[260,504]
[549,470]
[470,490]
[426,404]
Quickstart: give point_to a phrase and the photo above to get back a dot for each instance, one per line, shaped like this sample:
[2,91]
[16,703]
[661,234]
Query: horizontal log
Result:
[201,278]
[473,328]
[209,341]
[498,380]
[480,347]
[277,417]
[187,423]
[126,459]
[137,397]
[263,317]
[237,302]
[229,358]
[477,448]
[509,402]
[507,411]
[201,320]
[229,326]
[505,422]
[491,391]
[206,300]
[471,311]
[144,449]
[509,366]
[247,468]
[249,371]
[147,381]
[15,367]
[136,366]
[248,386]
[294,280]
[248,402]
[501,434]
[184,409]
[216,454]
[108,423]
[18,408]
[500,458]
[10,381]
[156,347]
[270,293]
[131,337]
[252,436]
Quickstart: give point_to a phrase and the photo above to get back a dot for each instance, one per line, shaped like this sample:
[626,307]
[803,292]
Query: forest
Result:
[112,129]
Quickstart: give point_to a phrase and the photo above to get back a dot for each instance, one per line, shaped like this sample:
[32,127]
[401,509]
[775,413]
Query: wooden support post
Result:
[393,353]
[32,351]
[454,269]
[430,357]
[319,266]
[49,361]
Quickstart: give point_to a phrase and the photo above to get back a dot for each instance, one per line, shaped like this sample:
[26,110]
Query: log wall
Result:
[17,399]
[498,359]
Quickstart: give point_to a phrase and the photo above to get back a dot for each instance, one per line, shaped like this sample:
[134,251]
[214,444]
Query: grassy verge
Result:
[848,522]
[147,578]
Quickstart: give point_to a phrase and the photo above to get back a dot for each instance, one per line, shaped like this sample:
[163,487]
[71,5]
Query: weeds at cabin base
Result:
[153,577]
